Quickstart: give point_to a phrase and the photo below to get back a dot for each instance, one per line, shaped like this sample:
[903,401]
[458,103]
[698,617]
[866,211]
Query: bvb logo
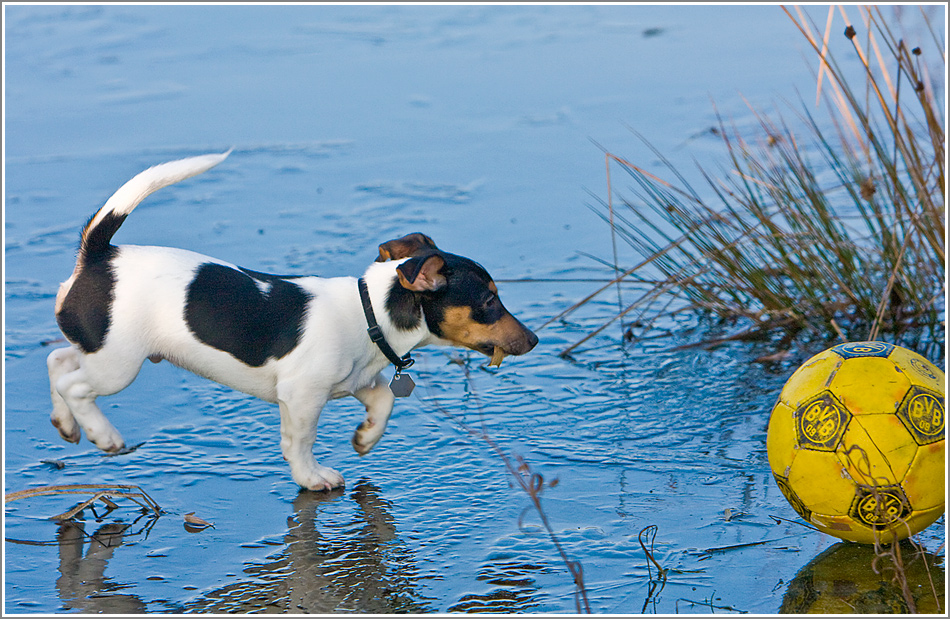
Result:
[926,413]
[863,349]
[923,414]
[821,422]
[880,507]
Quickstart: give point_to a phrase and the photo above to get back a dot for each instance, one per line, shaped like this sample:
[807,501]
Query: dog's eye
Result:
[491,301]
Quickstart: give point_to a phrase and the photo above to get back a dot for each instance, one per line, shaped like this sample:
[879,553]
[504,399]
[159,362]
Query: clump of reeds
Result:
[836,228]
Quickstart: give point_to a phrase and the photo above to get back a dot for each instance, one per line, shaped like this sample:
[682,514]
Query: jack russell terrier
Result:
[298,341]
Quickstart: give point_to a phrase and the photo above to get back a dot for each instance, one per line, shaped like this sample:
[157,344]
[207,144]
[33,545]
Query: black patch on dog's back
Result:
[84,316]
[227,309]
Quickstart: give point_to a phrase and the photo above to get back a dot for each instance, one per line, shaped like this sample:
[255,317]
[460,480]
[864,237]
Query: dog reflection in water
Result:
[82,584]
[358,565]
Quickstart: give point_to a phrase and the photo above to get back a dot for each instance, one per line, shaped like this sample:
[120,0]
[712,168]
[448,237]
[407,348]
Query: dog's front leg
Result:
[378,400]
[300,409]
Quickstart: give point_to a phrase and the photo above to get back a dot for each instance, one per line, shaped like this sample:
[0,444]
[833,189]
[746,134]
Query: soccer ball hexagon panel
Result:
[856,442]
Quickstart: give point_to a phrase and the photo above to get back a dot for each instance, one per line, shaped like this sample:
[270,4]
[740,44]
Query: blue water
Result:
[350,126]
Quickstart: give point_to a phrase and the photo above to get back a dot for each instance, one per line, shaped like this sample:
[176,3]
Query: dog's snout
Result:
[525,341]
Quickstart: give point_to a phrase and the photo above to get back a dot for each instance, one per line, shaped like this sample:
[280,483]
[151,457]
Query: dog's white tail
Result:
[99,230]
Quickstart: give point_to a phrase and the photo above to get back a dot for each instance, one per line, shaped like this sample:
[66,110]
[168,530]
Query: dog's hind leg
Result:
[79,395]
[61,362]
[300,407]
[102,373]
[378,400]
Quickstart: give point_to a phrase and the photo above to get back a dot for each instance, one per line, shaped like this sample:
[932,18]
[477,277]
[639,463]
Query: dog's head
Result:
[459,300]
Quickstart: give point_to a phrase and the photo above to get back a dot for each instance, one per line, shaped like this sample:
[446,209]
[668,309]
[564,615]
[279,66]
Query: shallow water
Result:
[353,125]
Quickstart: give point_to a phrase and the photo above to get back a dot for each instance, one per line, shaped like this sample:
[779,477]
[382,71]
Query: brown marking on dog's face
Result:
[507,333]
[414,244]
[468,312]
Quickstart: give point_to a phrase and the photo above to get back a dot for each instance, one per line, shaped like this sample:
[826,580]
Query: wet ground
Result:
[353,125]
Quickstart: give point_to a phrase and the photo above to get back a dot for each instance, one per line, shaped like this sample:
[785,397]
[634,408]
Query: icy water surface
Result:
[351,126]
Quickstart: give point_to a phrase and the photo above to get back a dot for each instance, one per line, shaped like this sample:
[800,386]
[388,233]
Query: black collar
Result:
[376,334]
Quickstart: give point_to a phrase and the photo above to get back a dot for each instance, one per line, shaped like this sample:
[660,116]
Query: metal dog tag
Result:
[401,385]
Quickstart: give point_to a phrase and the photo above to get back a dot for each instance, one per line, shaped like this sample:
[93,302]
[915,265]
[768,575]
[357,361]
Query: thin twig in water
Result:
[650,532]
[656,586]
[779,520]
[712,607]
[892,551]
[531,483]
[100,492]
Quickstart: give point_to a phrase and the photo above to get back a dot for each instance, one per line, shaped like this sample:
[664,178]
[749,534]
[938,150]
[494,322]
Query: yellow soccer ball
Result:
[856,442]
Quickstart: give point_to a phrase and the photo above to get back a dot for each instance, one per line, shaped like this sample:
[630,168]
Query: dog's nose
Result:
[525,343]
[532,340]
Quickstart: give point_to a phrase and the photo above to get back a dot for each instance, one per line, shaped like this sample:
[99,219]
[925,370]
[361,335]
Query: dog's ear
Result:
[414,244]
[421,273]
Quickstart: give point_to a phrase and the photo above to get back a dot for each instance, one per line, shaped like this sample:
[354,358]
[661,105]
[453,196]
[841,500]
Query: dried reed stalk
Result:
[100,492]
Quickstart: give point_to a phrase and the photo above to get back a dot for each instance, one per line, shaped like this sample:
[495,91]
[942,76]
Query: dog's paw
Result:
[366,436]
[68,428]
[108,440]
[320,478]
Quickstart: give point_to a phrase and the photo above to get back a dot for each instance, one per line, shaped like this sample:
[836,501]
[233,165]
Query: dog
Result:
[297,341]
